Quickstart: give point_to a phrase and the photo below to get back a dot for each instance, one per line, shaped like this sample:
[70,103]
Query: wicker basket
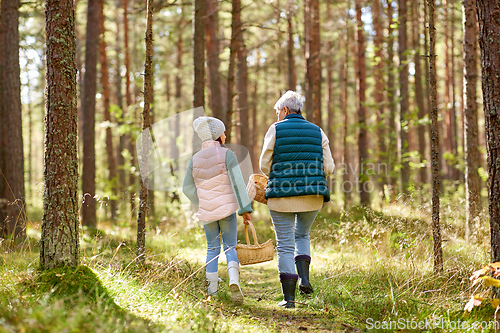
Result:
[256,188]
[253,254]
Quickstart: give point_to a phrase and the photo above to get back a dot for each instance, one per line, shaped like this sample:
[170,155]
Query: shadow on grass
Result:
[67,298]
[68,283]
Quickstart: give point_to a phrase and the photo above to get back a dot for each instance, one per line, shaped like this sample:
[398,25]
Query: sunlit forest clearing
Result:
[98,236]
[368,264]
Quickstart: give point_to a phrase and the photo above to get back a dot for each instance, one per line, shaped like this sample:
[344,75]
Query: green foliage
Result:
[367,264]
[483,174]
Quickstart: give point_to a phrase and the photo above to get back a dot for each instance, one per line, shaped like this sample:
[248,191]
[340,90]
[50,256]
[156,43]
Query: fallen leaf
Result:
[495,265]
[495,302]
[471,304]
[489,281]
[478,273]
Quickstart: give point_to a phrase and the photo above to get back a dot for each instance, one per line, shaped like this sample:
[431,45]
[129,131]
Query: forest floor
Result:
[371,270]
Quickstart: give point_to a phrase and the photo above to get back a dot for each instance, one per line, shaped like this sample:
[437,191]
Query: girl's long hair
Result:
[219,140]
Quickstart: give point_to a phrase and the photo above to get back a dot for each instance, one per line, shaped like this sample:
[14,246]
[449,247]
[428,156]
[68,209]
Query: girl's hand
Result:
[246,218]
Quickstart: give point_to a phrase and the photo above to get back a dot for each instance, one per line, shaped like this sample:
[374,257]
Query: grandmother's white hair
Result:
[292,100]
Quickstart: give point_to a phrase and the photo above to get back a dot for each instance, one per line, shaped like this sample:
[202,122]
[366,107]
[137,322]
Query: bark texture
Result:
[15,222]
[292,75]
[392,148]
[419,92]
[88,111]
[436,229]
[344,78]
[3,129]
[146,125]
[107,115]
[403,95]
[489,42]
[472,162]
[120,160]
[199,53]
[379,86]
[313,61]
[361,87]
[233,47]
[59,242]
[242,83]
[213,61]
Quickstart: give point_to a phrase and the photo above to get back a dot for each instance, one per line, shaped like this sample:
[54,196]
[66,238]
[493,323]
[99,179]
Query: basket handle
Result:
[254,234]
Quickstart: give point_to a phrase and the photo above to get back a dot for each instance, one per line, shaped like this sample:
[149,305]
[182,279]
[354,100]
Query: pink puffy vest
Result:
[216,196]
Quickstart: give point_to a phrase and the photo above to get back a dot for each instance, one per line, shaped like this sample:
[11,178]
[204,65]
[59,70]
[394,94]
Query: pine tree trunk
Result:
[419,94]
[362,135]
[392,149]
[292,75]
[178,96]
[120,160]
[29,194]
[489,42]
[344,75]
[427,94]
[308,88]
[128,113]
[242,83]
[212,27]
[379,87]
[403,95]
[255,143]
[330,106]
[199,53]
[436,229]
[455,174]
[279,49]
[15,223]
[59,242]
[146,125]
[128,97]
[4,194]
[88,112]
[233,48]
[451,126]
[472,180]
[316,62]
[107,115]
[313,61]
[79,78]
[329,97]
[447,130]
[152,110]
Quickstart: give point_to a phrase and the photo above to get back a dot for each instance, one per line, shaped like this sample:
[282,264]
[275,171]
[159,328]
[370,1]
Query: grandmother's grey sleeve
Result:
[328,162]
[266,157]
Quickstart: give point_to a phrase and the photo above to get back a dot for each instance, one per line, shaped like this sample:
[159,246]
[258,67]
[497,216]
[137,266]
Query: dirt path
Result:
[262,290]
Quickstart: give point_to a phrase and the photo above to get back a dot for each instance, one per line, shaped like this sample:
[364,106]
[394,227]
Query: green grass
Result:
[368,266]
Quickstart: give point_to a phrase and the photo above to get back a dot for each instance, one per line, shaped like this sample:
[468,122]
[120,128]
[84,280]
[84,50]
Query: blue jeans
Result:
[292,237]
[214,230]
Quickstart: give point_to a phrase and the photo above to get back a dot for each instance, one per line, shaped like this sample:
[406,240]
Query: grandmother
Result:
[297,159]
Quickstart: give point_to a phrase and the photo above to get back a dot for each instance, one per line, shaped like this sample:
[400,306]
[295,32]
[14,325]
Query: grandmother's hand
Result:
[246,218]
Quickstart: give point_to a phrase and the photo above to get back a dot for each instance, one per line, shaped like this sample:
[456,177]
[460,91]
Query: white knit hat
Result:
[208,128]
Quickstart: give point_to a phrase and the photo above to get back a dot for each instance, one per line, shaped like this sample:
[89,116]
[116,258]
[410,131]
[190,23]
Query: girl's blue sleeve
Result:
[238,184]
[188,185]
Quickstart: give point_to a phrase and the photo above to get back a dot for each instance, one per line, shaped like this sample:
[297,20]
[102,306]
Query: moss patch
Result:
[71,282]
